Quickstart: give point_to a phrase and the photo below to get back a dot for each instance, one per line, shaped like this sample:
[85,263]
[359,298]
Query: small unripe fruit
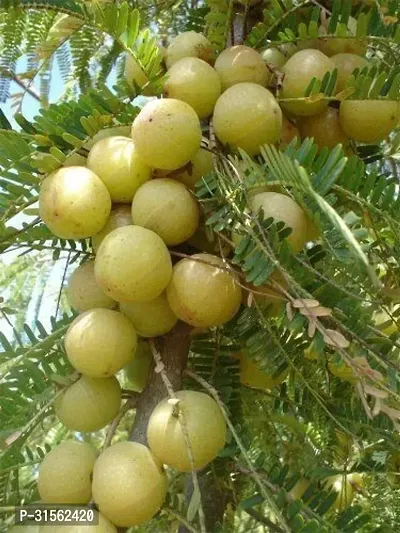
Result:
[74,203]
[254,377]
[137,371]
[299,70]
[113,131]
[166,207]
[247,116]
[188,44]
[83,292]
[129,484]
[152,318]
[103,526]
[368,121]
[65,473]
[203,294]
[342,371]
[200,165]
[120,216]
[133,264]
[325,128]
[282,208]
[346,64]
[274,57]
[288,132]
[240,64]
[75,160]
[100,342]
[116,162]
[205,426]
[89,404]
[167,133]
[195,82]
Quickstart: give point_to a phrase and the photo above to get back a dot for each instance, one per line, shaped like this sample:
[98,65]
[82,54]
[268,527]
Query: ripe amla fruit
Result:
[89,404]
[166,207]
[166,133]
[282,208]
[120,216]
[368,121]
[137,371]
[188,44]
[205,426]
[254,377]
[247,116]
[299,70]
[116,161]
[129,484]
[195,82]
[133,264]
[103,526]
[346,64]
[65,474]
[200,165]
[239,64]
[83,292]
[151,318]
[325,128]
[100,342]
[202,292]
[74,203]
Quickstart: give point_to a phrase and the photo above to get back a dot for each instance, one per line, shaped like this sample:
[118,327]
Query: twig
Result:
[161,370]
[181,519]
[62,284]
[263,520]
[129,404]
[8,74]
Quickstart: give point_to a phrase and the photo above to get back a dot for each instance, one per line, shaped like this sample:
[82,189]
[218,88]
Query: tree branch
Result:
[8,74]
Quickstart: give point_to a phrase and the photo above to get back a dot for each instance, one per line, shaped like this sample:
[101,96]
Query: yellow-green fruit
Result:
[269,295]
[167,133]
[247,116]
[188,44]
[200,165]
[83,292]
[325,128]
[283,209]
[205,426]
[288,132]
[129,484]
[252,376]
[75,160]
[152,318]
[137,371]
[100,342]
[368,121]
[385,323]
[299,488]
[116,161]
[201,293]
[345,493]
[342,371]
[274,57]
[103,526]
[65,474]
[120,216]
[339,45]
[195,82]
[133,264]
[346,64]
[135,76]
[89,404]
[166,207]
[113,131]
[74,203]
[240,64]
[299,70]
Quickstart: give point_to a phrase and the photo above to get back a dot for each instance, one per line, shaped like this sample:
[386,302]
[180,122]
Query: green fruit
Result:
[274,57]
[133,264]
[116,162]
[299,70]
[166,207]
[113,131]
[254,377]
[283,209]
[299,489]
[103,526]
[193,81]
[247,116]
[346,64]
[65,473]
[75,160]
[89,404]
[368,121]
[120,216]
[137,371]
[188,44]
[83,293]
[167,133]
[129,484]
[74,203]
[325,128]
[151,318]
[100,342]
[240,64]
[200,165]
[201,293]
[205,426]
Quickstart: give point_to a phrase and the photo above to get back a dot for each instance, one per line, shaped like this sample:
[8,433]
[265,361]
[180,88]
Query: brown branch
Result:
[129,404]
[8,74]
